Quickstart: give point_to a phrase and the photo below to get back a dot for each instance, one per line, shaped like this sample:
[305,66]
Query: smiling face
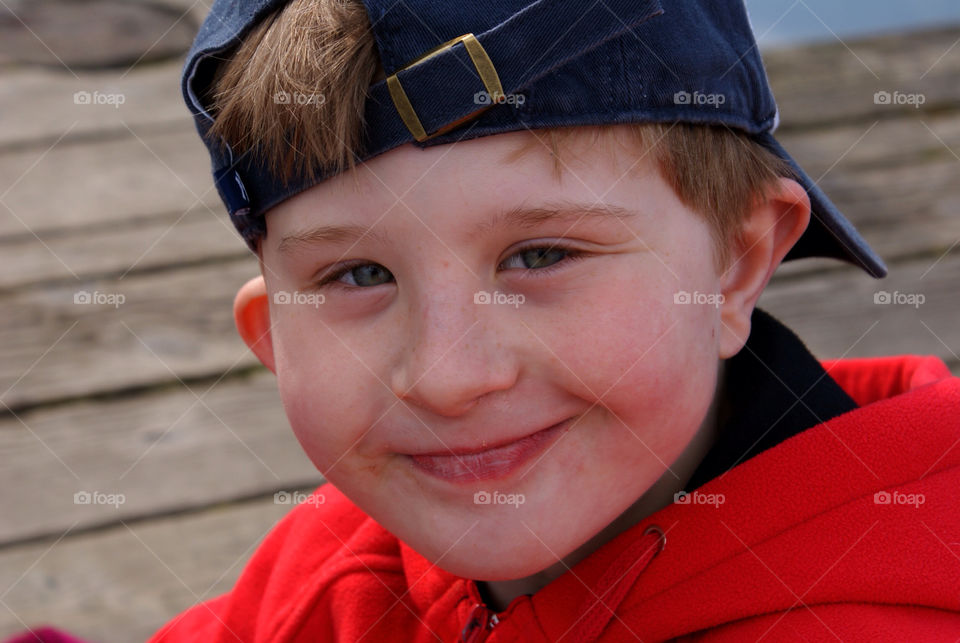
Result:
[405,357]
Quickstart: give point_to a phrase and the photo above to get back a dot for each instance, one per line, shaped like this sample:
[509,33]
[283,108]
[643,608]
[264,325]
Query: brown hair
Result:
[293,95]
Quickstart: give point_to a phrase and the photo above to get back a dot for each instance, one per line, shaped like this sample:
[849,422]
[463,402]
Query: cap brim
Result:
[829,234]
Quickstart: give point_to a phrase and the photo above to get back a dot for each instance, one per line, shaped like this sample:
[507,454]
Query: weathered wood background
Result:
[159,400]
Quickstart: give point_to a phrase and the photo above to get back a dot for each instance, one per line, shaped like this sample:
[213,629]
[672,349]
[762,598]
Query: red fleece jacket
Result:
[849,530]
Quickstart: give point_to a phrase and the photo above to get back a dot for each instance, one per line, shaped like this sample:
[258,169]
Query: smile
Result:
[496,462]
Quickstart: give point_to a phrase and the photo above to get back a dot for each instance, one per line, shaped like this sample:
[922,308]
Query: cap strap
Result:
[450,84]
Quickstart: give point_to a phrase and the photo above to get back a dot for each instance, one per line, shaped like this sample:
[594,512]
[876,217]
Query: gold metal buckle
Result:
[484,66]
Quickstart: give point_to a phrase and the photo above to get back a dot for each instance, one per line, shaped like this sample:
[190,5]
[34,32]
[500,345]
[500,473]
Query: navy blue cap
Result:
[460,70]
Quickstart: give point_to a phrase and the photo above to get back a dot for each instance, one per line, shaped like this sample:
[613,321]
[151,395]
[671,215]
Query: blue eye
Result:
[361,273]
[539,258]
[533,258]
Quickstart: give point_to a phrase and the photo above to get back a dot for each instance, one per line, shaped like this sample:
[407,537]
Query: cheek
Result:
[649,365]
[322,386]
[312,418]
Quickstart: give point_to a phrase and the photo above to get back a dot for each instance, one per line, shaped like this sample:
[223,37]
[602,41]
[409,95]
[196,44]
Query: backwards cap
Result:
[460,70]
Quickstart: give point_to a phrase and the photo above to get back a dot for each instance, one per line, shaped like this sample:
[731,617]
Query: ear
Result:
[251,314]
[768,233]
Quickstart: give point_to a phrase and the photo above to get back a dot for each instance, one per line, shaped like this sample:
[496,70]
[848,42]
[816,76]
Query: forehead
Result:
[477,177]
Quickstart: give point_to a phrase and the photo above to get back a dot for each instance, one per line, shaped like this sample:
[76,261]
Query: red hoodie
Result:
[848,530]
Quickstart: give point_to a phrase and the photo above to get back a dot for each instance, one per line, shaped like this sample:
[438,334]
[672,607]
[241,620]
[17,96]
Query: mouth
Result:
[499,461]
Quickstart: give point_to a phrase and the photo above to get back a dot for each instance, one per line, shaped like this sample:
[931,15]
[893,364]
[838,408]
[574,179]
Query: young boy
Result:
[536,382]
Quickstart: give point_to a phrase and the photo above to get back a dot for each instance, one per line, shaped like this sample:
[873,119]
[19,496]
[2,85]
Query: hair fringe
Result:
[293,93]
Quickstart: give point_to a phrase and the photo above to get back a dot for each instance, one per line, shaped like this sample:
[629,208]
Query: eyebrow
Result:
[519,216]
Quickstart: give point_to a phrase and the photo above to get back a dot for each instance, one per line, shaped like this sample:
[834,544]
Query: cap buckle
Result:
[483,65]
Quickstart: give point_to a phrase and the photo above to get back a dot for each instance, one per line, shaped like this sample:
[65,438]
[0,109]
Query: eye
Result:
[533,258]
[361,274]
[541,258]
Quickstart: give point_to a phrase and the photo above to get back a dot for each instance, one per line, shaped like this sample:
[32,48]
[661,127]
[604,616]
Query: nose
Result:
[458,352]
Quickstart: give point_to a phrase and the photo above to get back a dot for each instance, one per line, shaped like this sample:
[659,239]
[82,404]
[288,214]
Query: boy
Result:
[537,384]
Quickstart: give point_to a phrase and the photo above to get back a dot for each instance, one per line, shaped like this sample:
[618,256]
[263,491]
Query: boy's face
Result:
[402,358]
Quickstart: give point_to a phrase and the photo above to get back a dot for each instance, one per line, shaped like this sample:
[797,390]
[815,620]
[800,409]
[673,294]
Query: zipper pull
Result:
[479,624]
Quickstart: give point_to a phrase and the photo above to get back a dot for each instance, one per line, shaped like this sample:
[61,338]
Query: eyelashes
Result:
[332,280]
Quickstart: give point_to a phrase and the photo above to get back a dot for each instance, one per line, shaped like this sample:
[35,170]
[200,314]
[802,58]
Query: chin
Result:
[499,552]
[496,566]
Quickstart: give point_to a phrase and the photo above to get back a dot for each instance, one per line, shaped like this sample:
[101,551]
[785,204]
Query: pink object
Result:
[44,634]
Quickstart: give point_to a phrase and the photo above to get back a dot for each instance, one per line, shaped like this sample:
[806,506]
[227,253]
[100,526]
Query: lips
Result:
[466,465]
